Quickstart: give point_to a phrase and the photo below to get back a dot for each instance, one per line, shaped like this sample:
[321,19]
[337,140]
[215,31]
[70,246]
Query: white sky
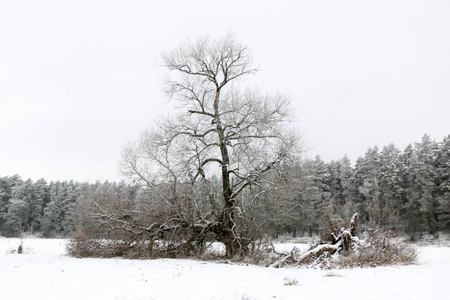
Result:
[80,78]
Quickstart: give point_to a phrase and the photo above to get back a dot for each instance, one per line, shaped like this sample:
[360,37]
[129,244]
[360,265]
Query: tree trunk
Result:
[227,225]
[226,232]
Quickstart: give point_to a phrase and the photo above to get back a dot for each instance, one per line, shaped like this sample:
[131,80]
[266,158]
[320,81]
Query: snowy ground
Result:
[43,271]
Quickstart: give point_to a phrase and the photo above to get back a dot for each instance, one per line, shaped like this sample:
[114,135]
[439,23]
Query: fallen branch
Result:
[344,241]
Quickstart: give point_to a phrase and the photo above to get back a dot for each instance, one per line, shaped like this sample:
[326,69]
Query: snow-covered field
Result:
[44,271]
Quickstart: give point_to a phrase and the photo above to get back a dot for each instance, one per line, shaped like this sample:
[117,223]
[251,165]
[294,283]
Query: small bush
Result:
[290,281]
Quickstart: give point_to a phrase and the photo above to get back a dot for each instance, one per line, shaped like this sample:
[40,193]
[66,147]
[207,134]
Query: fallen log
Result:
[344,241]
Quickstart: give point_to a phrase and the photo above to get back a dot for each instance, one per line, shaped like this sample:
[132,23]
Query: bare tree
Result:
[239,135]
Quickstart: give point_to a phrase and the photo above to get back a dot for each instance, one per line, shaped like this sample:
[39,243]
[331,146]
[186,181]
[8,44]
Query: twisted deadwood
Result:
[344,241]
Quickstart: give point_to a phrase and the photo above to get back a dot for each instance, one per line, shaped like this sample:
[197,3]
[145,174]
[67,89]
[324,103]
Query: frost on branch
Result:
[347,250]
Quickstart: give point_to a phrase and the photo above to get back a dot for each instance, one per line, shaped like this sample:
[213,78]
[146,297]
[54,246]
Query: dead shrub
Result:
[134,249]
[380,250]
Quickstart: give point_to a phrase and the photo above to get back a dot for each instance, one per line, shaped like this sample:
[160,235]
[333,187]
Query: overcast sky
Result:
[80,78]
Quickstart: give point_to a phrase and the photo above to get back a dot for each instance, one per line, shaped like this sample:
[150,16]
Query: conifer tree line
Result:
[47,209]
[406,191]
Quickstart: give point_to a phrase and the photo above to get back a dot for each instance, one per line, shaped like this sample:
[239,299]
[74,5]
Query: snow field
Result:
[44,271]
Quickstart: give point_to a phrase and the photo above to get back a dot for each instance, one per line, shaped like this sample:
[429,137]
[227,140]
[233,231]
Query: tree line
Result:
[42,208]
[404,191]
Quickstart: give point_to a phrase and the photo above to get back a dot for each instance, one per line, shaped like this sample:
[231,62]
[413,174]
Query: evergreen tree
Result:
[421,205]
[52,216]
[341,187]
[6,186]
[18,216]
[309,194]
[367,170]
[391,186]
[412,214]
[443,183]
[39,200]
